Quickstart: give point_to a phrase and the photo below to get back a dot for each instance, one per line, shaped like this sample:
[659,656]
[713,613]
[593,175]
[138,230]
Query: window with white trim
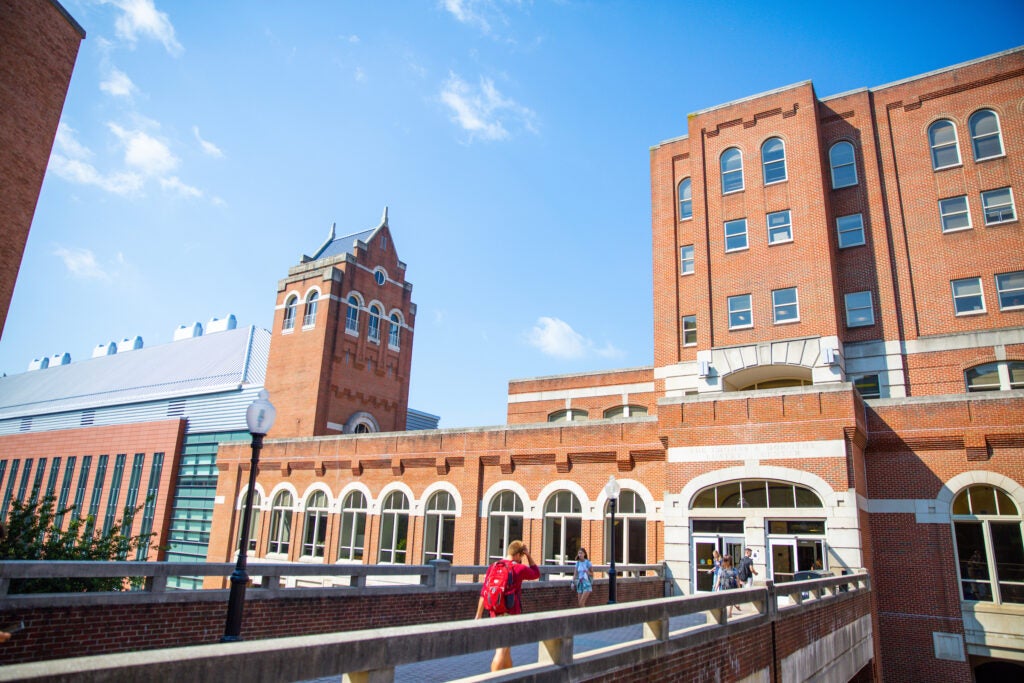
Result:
[439,528]
[625,411]
[254,522]
[968,297]
[756,493]
[986,138]
[740,314]
[954,214]
[944,145]
[686,262]
[281,523]
[1010,288]
[563,528]
[353,527]
[998,376]
[395,332]
[736,234]
[773,160]
[290,308]
[989,545]
[373,327]
[314,536]
[630,529]
[851,230]
[504,524]
[732,170]
[689,330]
[785,306]
[309,318]
[780,228]
[685,199]
[352,316]
[998,206]
[860,311]
[843,164]
[568,415]
[394,529]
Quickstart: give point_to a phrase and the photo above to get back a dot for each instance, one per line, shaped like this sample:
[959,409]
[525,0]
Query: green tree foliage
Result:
[32,534]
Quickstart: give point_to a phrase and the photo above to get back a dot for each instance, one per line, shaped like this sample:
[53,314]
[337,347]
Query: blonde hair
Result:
[515,548]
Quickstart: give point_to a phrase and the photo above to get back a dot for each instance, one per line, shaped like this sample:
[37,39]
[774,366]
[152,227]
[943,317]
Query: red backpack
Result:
[497,592]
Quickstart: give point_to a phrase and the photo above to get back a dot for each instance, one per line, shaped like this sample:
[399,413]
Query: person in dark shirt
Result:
[746,570]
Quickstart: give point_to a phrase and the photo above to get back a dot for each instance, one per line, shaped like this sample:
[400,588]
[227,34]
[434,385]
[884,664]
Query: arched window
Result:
[439,528]
[373,331]
[281,523]
[732,170]
[625,411]
[290,307]
[685,199]
[563,528]
[630,529]
[568,415]
[314,537]
[309,319]
[395,332]
[843,164]
[504,524]
[254,523]
[989,545]
[394,529]
[353,527]
[352,315]
[999,376]
[773,160]
[756,493]
[944,145]
[986,138]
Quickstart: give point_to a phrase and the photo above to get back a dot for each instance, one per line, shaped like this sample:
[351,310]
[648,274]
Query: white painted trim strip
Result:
[588,392]
[761,451]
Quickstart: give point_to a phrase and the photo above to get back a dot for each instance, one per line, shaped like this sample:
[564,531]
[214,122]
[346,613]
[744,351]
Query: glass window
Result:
[314,537]
[563,528]
[1010,287]
[352,316]
[439,528]
[998,206]
[986,139]
[379,276]
[943,142]
[625,411]
[504,525]
[685,199]
[868,386]
[989,545]
[785,307]
[954,214]
[373,329]
[568,415]
[736,234]
[756,493]
[290,307]
[740,314]
[686,266]
[394,529]
[1016,372]
[254,523]
[281,523]
[689,330]
[630,529]
[353,527]
[983,377]
[859,309]
[779,227]
[843,164]
[732,170]
[851,230]
[395,332]
[309,319]
[773,160]
[967,296]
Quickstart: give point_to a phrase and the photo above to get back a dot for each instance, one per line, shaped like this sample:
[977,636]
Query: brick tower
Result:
[341,347]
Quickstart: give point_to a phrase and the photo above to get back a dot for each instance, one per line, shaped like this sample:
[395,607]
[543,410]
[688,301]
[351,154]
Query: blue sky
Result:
[205,146]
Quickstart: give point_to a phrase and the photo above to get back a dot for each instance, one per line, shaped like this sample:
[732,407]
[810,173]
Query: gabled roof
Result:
[336,246]
[199,365]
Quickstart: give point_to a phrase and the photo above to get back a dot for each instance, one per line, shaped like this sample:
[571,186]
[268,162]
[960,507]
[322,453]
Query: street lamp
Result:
[611,490]
[259,417]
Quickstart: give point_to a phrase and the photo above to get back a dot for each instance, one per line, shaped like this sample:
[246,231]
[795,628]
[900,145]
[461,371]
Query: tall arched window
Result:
[254,523]
[309,319]
[504,524]
[394,529]
[630,529]
[373,331]
[773,160]
[290,307]
[314,537]
[944,145]
[281,523]
[352,315]
[439,528]
[685,199]
[989,545]
[986,138]
[732,170]
[395,332]
[353,526]
[843,164]
[563,528]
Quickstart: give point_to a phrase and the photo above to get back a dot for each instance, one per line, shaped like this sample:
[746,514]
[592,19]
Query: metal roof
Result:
[336,246]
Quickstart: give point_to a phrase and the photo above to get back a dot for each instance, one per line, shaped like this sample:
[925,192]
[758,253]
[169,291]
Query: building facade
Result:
[838,383]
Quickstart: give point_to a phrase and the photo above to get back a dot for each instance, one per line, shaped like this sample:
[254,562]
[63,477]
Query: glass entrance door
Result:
[703,559]
[790,556]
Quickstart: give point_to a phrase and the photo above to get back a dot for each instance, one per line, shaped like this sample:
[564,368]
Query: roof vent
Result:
[221,324]
[39,363]
[188,331]
[104,350]
[131,344]
[60,359]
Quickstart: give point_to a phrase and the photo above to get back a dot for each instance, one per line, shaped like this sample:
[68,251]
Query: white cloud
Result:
[555,337]
[118,84]
[208,147]
[144,152]
[174,184]
[69,161]
[82,264]
[483,112]
[66,142]
[141,18]
[359,75]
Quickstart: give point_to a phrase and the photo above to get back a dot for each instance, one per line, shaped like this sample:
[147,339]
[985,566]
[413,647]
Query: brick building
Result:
[837,383]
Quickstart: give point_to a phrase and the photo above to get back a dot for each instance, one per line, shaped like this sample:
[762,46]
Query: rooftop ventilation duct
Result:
[104,350]
[39,363]
[188,331]
[60,359]
[221,324]
[131,344]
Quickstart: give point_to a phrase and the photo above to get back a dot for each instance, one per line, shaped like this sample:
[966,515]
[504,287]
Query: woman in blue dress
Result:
[583,577]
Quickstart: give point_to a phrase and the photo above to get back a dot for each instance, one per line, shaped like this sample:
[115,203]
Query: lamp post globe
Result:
[259,418]
[611,491]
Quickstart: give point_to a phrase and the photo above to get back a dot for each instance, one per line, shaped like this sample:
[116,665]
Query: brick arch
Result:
[949,490]
[812,481]
[420,506]
[501,486]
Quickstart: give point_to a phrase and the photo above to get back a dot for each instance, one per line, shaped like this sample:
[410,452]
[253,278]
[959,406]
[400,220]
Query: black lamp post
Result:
[611,489]
[259,417]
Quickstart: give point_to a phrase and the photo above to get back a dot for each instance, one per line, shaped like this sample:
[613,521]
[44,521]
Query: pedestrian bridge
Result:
[818,630]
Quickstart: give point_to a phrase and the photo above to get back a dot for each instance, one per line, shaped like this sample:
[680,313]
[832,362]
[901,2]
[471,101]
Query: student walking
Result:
[746,571]
[726,579]
[583,577]
[517,553]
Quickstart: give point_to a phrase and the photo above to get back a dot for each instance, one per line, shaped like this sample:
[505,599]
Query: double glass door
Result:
[793,555]
[703,559]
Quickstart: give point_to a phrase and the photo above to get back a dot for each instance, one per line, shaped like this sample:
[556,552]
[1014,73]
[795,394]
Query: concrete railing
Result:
[373,655]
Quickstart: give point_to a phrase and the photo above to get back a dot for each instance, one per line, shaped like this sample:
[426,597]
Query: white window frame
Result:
[998,135]
[439,514]
[945,213]
[833,166]
[857,306]
[687,259]
[291,307]
[746,239]
[985,207]
[934,147]
[840,230]
[395,332]
[776,306]
[506,513]
[352,315]
[314,528]
[737,299]
[1000,290]
[394,510]
[957,297]
[686,203]
[374,314]
[690,328]
[309,314]
[731,172]
[787,226]
[355,509]
[765,163]
[282,512]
